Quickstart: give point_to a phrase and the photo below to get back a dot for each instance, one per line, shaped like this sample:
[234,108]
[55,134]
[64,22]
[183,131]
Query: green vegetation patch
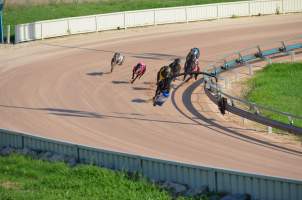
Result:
[278,86]
[25,178]
[22,177]
[26,14]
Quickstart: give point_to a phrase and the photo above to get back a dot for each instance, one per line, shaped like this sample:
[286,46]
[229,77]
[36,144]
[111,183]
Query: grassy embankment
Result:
[278,86]
[26,14]
[22,177]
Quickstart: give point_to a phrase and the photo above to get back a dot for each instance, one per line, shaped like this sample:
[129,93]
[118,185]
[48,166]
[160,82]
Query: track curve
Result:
[61,89]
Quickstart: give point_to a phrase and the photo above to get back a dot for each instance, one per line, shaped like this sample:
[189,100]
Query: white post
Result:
[68,27]
[96,23]
[283,11]
[154,17]
[217,10]
[8,34]
[125,26]
[291,121]
[186,11]
[250,67]
[42,31]
[269,61]
[250,13]
[292,56]
[269,129]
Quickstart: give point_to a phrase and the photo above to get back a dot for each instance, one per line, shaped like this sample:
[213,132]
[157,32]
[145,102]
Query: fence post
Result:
[78,154]
[68,27]
[41,31]
[292,56]
[8,34]
[282,4]
[269,129]
[22,141]
[154,17]
[1,27]
[217,10]
[250,67]
[291,121]
[269,61]
[125,26]
[96,24]
[186,10]
[250,13]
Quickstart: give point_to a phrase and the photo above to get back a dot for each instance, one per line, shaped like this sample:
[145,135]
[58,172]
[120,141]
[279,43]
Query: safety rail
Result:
[241,58]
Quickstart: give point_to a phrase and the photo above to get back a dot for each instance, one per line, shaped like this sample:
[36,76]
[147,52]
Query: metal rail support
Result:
[291,121]
[283,46]
[125,23]
[292,56]
[186,11]
[269,61]
[250,67]
[8,35]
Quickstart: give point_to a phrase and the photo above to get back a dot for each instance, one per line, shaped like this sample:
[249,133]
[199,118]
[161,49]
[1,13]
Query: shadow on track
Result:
[209,123]
[97,73]
[141,88]
[120,82]
[151,56]
[138,100]
[149,83]
[86,114]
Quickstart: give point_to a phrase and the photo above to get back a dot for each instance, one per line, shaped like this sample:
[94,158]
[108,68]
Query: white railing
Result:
[95,23]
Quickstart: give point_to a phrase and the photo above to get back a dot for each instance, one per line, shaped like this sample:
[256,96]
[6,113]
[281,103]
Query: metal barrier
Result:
[242,107]
[260,187]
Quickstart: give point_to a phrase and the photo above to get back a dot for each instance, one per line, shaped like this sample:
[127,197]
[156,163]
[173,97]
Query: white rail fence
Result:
[95,23]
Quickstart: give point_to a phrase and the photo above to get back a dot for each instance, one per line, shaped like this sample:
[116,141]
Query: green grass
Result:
[278,86]
[26,14]
[22,177]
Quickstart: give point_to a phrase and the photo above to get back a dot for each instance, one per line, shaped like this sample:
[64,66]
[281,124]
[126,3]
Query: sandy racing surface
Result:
[61,89]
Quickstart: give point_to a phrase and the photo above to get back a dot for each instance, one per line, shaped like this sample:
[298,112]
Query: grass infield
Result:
[278,86]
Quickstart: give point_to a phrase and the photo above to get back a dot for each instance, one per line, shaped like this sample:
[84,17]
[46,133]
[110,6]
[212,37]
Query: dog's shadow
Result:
[139,100]
[141,88]
[120,82]
[97,73]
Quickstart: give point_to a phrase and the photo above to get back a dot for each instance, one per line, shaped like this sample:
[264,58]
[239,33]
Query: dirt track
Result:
[61,89]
